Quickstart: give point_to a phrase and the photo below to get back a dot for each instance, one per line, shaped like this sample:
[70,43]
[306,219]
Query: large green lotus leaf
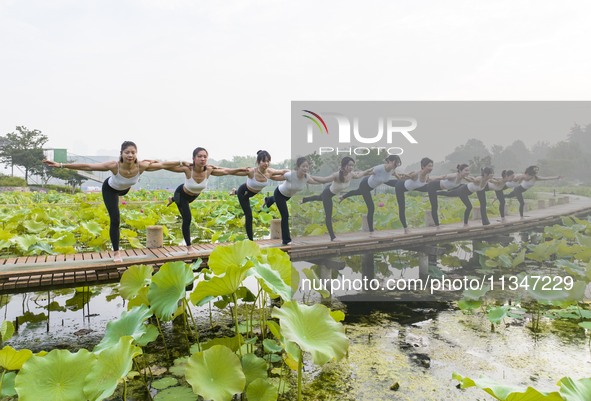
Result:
[281,262]
[575,390]
[92,227]
[163,383]
[112,365]
[314,330]
[6,330]
[130,323]
[261,390]
[140,299]
[253,368]
[231,342]
[57,376]
[507,393]
[230,257]
[219,286]
[215,374]
[65,240]
[168,288]
[34,226]
[11,359]
[24,242]
[5,244]
[175,394]
[550,295]
[8,389]
[134,279]
[271,281]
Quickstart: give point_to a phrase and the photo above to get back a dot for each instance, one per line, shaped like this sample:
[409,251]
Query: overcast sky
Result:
[175,74]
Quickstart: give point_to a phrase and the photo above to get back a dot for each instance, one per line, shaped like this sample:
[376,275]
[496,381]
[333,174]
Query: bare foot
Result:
[407,230]
[503,220]
[466,225]
[372,234]
[437,228]
[335,239]
[117,257]
[191,250]
[170,202]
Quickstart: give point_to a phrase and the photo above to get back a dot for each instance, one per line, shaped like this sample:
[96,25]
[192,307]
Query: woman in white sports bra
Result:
[446,182]
[498,185]
[463,192]
[417,181]
[257,178]
[295,181]
[196,176]
[126,172]
[526,181]
[339,182]
[382,174]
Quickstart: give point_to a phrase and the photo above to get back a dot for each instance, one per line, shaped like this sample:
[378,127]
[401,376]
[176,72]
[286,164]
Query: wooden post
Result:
[552,202]
[154,237]
[276,229]
[541,204]
[476,213]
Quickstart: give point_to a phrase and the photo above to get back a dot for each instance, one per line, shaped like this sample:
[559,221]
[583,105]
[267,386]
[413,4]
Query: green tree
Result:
[23,148]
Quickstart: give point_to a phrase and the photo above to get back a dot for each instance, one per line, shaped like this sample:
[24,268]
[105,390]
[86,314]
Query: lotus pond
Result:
[149,338]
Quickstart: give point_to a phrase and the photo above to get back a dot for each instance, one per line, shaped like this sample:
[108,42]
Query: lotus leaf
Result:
[11,359]
[261,390]
[231,257]
[231,342]
[507,393]
[168,288]
[271,281]
[112,365]
[92,227]
[163,383]
[271,345]
[254,368]
[140,299]
[133,279]
[575,390]
[7,385]
[175,394]
[314,330]
[130,323]
[215,374]
[219,286]
[6,330]
[57,376]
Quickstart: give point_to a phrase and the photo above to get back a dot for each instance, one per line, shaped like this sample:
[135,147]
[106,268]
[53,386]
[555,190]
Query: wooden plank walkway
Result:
[34,273]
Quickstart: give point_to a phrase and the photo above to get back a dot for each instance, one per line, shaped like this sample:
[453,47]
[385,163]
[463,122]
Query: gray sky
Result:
[175,74]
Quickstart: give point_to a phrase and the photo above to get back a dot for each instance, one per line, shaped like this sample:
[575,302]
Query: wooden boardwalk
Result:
[35,273]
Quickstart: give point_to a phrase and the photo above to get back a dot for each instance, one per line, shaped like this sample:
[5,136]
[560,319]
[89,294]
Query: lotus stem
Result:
[193,320]
[162,334]
[235,314]
[125,390]
[300,370]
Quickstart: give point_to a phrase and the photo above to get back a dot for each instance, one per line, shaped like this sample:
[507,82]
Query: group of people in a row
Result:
[127,170]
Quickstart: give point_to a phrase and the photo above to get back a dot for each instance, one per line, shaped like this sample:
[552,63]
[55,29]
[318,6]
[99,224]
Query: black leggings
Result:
[326,198]
[244,195]
[463,193]
[400,190]
[281,201]
[518,193]
[111,199]
[182,200]
[501,198]
[365,191]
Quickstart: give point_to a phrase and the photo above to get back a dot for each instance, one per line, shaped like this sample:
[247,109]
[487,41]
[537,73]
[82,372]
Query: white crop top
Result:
[527,184]
[474,187]
[256,186]
[338,187]
[495,187]
[450,183]
[414,184]
[379,176]
[193,186]
[120,183]
[292,184]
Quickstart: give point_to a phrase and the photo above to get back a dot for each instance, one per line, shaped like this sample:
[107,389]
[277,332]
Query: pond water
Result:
[398,350]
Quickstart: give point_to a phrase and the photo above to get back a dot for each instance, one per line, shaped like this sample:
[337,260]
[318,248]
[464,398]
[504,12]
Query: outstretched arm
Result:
[174,166]
[359,174]
[324,180]
[219,171]
[104,166]
[555,177]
